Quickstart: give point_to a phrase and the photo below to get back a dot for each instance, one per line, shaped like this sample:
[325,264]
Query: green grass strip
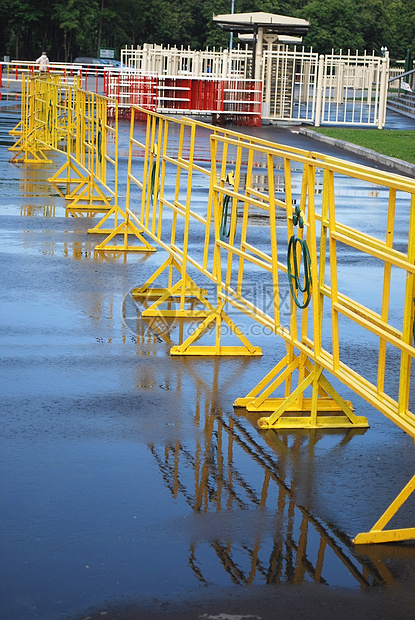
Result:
[390,142]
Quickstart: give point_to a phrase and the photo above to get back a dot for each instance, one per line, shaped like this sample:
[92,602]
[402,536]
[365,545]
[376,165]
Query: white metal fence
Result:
[297,85]
[352,90]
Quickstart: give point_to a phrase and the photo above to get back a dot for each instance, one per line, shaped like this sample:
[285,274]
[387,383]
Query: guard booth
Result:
[271,62]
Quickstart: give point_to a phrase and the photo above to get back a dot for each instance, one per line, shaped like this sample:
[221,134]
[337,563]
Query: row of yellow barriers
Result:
[203,209]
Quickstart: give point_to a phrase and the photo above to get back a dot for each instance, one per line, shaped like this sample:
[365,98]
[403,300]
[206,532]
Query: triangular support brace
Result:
[325,409]
[127,227]
[184,290]
[217,315]
[378,534]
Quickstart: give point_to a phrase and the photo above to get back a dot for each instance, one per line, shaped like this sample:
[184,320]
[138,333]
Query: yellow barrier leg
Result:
[325,408]
[378,534]
[185,290]
[217,315]
[28,151]
[126,228]
[88,196]
[57,179]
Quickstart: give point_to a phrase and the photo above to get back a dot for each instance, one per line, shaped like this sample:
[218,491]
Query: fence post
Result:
[383,92]
[319,90]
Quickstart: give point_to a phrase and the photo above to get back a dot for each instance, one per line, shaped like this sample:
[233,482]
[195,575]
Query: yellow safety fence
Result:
[200,208]
[38,129]
[307,254]
[59,115]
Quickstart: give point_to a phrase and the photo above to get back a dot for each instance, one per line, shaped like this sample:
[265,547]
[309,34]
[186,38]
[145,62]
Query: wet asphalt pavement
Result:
[130,486]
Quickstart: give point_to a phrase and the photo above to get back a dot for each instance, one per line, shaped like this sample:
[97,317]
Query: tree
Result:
[78,22]
[335,24]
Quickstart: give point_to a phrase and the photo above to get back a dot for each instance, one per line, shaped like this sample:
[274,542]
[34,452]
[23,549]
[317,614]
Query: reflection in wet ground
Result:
[127,473]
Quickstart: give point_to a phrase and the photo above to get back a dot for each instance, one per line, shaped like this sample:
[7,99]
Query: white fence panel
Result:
[352,90]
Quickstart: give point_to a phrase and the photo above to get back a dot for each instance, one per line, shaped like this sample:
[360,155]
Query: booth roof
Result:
[248,22]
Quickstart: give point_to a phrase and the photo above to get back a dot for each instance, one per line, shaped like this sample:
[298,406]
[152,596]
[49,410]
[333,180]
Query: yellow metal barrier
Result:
[313,335]
[172,218]
[36,129]
[164,163]
[88,160]
[314,235]
[56,113]
[304,250]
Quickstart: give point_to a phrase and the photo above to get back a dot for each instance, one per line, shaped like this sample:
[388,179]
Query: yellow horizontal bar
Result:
[158,292]
[382,536]
[374,329]
[252,259]
[321,422]
[363,173]
[272,404]
[385,254]
[182,314]
[241,197]
[254,250]
[136,181]
[362,311]
[206,350]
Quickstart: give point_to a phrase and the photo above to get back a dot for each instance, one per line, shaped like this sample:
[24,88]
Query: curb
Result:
[392,162]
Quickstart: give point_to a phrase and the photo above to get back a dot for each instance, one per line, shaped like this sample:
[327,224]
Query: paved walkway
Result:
[131,488]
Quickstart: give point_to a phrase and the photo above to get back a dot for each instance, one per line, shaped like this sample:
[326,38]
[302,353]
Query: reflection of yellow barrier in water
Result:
[248,514]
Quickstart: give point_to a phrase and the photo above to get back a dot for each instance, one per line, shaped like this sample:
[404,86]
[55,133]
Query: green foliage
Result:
[335,24]
[68,28]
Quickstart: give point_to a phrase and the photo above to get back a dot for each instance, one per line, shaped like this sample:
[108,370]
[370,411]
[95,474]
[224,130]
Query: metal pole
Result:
[231,38]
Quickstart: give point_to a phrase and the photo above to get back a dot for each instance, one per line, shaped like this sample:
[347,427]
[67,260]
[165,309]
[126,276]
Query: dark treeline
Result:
[68,28]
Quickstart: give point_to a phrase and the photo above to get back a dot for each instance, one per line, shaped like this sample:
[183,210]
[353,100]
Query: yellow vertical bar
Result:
[386,288]
[323,244]
[159,158]
[116,153]
[312,246]
[150,155]
[145,166]
[245,219]
[162,180]
[273,235]
[130,154]
[188,205]
[234,215]
[408,318]
[333,271]
[176,189]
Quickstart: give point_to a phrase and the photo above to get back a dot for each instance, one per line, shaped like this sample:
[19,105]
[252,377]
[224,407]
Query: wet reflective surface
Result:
[127,475]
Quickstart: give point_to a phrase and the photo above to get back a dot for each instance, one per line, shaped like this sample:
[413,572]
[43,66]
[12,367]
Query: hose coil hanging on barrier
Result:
[99,141]
[153,182]
[225,224]
[50,113]
[294,266]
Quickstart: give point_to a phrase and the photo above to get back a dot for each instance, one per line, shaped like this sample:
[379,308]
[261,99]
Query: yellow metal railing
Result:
[199,208]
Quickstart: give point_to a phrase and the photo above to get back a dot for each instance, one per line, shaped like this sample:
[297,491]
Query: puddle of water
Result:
[130,475]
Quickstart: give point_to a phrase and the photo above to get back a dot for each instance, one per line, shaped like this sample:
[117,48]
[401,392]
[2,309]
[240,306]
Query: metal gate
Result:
[339,89]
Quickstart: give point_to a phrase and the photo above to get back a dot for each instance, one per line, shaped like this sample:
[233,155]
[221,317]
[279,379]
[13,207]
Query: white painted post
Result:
[145,57]
[258,53]
[383,92]
[340,83]
[225,64]
[196,65]
[317,120]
